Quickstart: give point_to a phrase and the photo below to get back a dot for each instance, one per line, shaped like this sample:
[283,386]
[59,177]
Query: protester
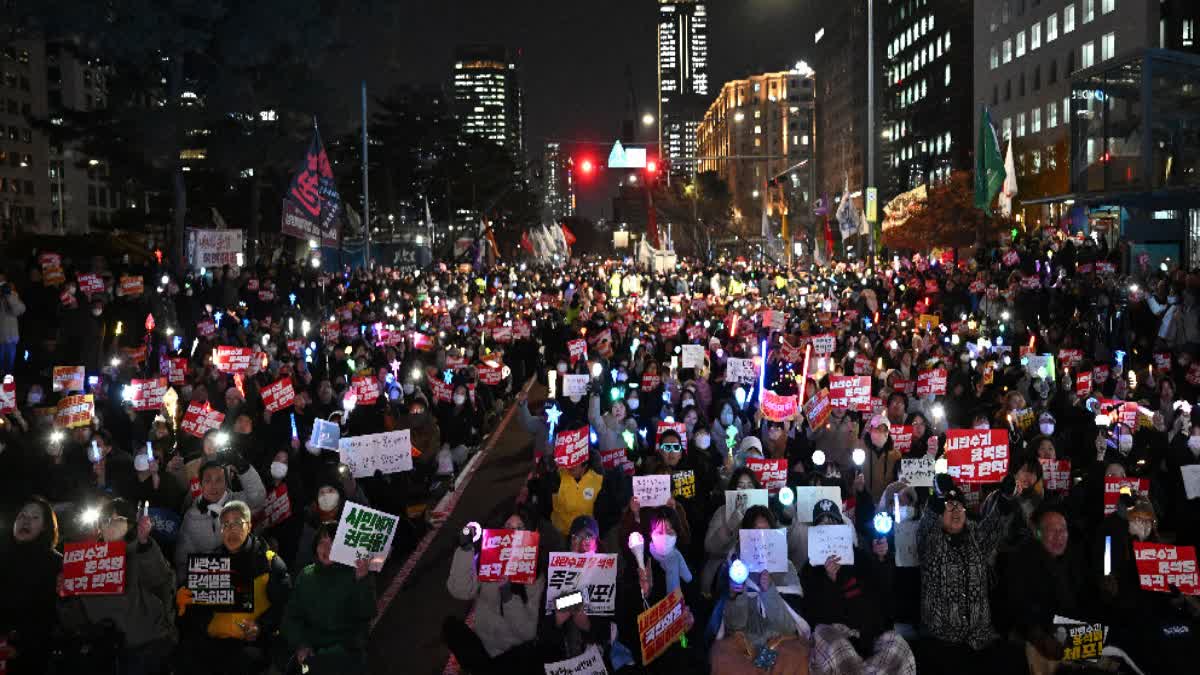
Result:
[29,567]
[200,530]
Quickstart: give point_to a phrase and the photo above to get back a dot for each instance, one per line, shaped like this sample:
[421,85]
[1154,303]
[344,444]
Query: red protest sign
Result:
[616,457]
[1011,258]
[577,350]
[778,408]
[93,568]
[75,411]
[1083,384]
[146,394]
[130,286]
[442,392]
[421,342]
[902,437]
[1161,566]
[816,409]
[862,365]
[904,386]
[90,284]
[932,382]
[199,418]
[278,395]
[295,347]
[771,473]
[1106,268]
[8,395]
[1056,474]
[1162,362]
[571,448]
[521,330]
[1070,358]
[276,509]
[650,382]
[228,359]
[206,328]
[977,455]
[502,334]
[1115,485]
[366,389]
[678,427]
[660,626]
[508,554]
[67,378]
[177,370]
[848,391]
[670,329]
[490,374]
[1100,374]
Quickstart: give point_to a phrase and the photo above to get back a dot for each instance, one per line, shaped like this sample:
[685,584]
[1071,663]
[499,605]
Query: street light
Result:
[647,120]
[739,116]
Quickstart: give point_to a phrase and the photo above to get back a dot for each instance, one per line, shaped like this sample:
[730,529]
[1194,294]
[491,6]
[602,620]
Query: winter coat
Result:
[200,530]
[11,307]
[329,609]
[503,619]
[608,429]
[28,574]
[145,612]
[860,598]
[270,585]
[1041,587]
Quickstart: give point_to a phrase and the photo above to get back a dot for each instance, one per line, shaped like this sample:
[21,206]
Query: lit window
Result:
[1020,125]
[1108,46]
[1035,121]
[1107,6]
[1088,55]
[1008,50]
[1051,28]
[1089,10]
[1051,115]
[947,74]
[1189,32]
[1069,18]
[1035,36]
[1020,44]
[1007,127]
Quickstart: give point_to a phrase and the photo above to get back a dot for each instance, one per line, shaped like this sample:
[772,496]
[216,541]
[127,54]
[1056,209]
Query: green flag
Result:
[989,165]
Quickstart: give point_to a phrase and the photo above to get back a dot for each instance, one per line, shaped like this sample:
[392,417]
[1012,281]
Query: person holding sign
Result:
[1183,476]
[200,532]
[143,611]
[570,631]
[230,641]
[29,567]
[506,614]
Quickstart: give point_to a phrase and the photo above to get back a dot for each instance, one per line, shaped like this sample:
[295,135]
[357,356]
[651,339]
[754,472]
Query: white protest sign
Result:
[744,499]
[575,385]
[917,472]
[389,452]
[907,554]
[325,434]
[595,574]
[827,540]
[363,532]
[590,662]
[215,248]
[807,497]
[1191,480]
[693,356]
[652,490]
[1040,365]
[740,371]
[764,550]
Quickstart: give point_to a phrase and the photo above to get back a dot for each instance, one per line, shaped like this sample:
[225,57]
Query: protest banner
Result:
[206,328]
[918,471]
[213,583]
[146,394]
[848,391]
[363,532]
[129,287]
[824,344]
[227,359]
[8,395]
[763,549]
[177,369]
[660,626]
[1080,641]
[492,374]
[593,574]
[740,500]
[278,395]
[93,568]
[89,284]
[932,382]
[904,386]
[617,458]
[574,385]
[807,497]
[590,662]
[577,349]
[650,382]
[1070,358]
[1115,485]
[521,330]
[977,455]
[571,447]
[1083,384]
[678,427]
[907,552]
[692,356]
[741,371]
[1056,475]
[276,509]
[388,452]
[1163,566]
[902,437]
[771,473]
[652,490]
[325,435]
[74,411]
[778,408]
[827,540]
[508,554]
[67,378]
[199,418]
[214,248]
[442,392]
[817,409]
[862,365]
[502,334]
[365,388]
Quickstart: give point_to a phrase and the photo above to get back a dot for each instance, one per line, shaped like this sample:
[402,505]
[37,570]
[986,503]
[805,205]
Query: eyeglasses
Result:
[115,519]
[233,524]
[955,506]
[671,448]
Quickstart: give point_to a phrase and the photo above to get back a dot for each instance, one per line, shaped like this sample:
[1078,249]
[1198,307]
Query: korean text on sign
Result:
[363,533]
[661,625]
[91,568]
[977,456]
[1161,566]
[595,574]
[508,554]
[853,392]
[771,473]
[571,448]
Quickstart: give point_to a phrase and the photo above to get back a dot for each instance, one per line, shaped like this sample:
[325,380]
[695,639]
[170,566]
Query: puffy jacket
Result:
[329,609]
[145,612]
[270,583]
[200,530]
[500,622]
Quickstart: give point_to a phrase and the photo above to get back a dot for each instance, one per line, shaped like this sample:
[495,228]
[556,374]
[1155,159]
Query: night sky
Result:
[574,51]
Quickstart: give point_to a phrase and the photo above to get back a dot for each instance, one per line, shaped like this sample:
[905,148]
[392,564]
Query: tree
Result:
[698,211]
[948,217]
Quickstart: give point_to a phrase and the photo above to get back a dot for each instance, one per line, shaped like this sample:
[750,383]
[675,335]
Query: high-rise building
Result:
[559,182]
[24,164]
[759,129]
[682,79]
[488,97]
[926,126]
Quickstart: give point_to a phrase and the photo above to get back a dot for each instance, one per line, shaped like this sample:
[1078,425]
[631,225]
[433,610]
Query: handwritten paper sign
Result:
[593,574]
[741,500]
[363,532]
[571,448]
[199,418]
[575,385]
[660,626]
[93,568]
[692,356]
[590,662]
[387,452]
[508,554]
[827,540]
[807,497]
[653,490]
[976,456]
[763,549]
[771,473]
[1191,480]
[917,472]
[740,371]
[1161,566]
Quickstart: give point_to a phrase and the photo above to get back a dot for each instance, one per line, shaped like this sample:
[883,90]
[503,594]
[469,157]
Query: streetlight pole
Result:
[366,186]
[870,118]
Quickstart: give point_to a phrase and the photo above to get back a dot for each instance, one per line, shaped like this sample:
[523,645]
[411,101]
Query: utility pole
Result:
[870,118]
[366,183]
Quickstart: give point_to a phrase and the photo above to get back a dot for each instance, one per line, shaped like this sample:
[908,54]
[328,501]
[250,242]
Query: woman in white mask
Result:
[326,509]
[727,417]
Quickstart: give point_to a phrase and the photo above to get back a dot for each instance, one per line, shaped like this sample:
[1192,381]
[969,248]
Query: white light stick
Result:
[552,379]
[818,458]
[150,450]
[1108,555]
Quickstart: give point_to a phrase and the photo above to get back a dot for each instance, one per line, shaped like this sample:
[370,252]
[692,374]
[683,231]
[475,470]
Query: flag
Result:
[218,221]
[989,165]
[1010,183]
[312,206]
[526,244]
[845,214]
[828,240]
[568,236]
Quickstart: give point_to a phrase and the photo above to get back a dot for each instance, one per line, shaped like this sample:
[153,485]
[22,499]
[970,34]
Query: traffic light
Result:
[651,167]
[587,167]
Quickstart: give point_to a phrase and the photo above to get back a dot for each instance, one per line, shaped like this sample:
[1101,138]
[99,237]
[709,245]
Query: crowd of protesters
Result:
[1082,359]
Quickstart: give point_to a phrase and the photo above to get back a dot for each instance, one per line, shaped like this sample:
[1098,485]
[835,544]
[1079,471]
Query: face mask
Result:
[1047,429]
[1139,529]
[726,418]
[459,399]
[278,470]
[1193,443]
[327,501]
[562,368]
[1126,443]
[632,403]
[661,545]
[687,401]
[35,397]
[982,425]
[703,441]
[408,388]
[141,463]
[97,312]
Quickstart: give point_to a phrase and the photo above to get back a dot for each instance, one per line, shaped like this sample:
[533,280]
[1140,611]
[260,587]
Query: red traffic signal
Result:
[651,166]
[587,167]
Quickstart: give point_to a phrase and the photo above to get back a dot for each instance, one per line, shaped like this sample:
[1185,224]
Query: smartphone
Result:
[568,601]
[143,510]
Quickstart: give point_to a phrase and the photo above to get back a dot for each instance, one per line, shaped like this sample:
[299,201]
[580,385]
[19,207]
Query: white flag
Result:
[1009,190]
[845,214]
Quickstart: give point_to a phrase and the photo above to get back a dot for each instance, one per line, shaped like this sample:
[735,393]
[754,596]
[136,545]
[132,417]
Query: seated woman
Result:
[567,633]
[762,632]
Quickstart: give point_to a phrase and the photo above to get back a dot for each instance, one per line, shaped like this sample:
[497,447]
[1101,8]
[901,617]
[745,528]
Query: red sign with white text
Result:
[147,394]
[851,392]
[93,568]
[366,389]
[778,408]
[571,448]
[199,418]
[278,395]
[932,382]
[508,555]
[771,473]
[976,456]
[1161,566]
[1113,485]
[228,359]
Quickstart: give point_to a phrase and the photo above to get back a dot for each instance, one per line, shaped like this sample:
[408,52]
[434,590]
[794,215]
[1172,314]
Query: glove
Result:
[183,598]
[465,540]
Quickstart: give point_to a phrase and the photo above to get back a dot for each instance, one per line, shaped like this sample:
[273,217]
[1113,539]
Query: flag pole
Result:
[366,183]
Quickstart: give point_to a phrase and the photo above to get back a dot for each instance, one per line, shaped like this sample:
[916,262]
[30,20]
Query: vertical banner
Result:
[312,206]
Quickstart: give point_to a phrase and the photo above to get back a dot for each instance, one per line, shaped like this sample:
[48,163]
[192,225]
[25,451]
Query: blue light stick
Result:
[762,373]
[295,434]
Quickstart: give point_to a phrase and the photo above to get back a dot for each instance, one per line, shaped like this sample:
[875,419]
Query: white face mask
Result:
[703,441]
[982,425]
[562,368]
[1126,443]
[1193,443]
[459,399]
[327,501]
[661,545]
[726,418]
[141,463]
[632,403]
[1046,428]
[279,470]
[687,401]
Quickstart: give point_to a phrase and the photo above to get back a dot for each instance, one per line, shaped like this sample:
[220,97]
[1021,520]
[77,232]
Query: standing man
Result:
[11,308]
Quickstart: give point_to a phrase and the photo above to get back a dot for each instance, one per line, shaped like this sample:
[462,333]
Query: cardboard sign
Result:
[908,554]
[692,356]
[660,626]
[828,540]
[741,500]
[1113,485]
[932,382]
[8,395]
[807,497]
[817,409]
[1161,566]
[741,371]
[771,473]
[593,574]
[678,427]
[325,435]
[902,438]
[778,408]
[278,395]
[388,452]
[67,378]
[508,554]
[212,581]
[917,472]
[199,418]
[74,411]
[652,490]
[571,448]
[276,509]
[89,284]
[824,344]
[763,549]
[577,350]
[363,532]
[590,662]
[851,392]
[93,568]
[228,359]
[146,394]
[575,385]
[977,456]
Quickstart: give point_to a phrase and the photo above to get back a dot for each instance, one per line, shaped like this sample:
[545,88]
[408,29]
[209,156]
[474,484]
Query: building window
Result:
[1053,72]
[1007,127]
[1069,18]
[1087,55]
[1108,46]
[1066,116]
[947,75]
[1008,50]
[1035,36]
[1051,28]
[1089,10]
[994,56]
[1189,32]
[1020,125]
[1107,6]
[1035,121]
[1020,44]
[1051,115]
